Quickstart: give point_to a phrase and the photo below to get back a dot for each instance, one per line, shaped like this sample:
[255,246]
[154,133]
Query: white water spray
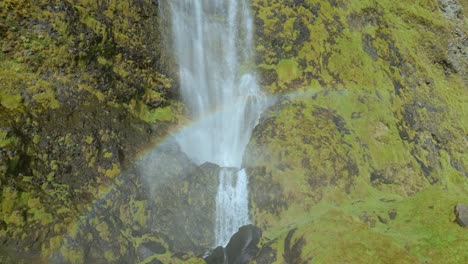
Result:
[212,41]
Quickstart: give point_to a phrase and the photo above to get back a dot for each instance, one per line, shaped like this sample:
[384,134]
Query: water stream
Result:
[213,45]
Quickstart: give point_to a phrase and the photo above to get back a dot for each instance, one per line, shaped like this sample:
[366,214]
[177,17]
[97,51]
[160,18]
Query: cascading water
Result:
[212,40]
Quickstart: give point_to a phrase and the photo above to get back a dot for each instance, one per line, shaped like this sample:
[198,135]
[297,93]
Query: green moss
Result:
[45,218]
[16,218]
[152,96]
[103,230]
[102,60]
[89,139]
[53,245]
[108,155]
[9,197]
[110,173]
[121,71]
[36,139]
[7,141]
[110,256]
[144,112]
[170,258]
[288,70]
[11,101]
[140,212]
[73,255]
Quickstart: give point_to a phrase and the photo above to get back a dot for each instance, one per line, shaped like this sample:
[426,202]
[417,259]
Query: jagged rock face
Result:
[184,197]
[242,246]
[369,118]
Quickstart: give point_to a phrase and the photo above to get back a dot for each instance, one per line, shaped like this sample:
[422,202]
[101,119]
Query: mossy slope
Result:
[372,108]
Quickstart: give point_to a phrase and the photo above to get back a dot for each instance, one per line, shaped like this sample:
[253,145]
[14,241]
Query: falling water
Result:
[212,40]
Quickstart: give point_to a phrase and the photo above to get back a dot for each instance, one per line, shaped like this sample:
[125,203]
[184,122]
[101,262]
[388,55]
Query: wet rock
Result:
[216,256]
[267,254]
[184,197]
[243,245]
[210,169]
[154,247]
[149,249]
[144,252]
[241,248]
[461,211]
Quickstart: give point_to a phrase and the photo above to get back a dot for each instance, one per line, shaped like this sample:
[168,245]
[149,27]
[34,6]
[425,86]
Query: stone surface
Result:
[461,211]
[182,196]
[217,256]
[243,245]
[241,249]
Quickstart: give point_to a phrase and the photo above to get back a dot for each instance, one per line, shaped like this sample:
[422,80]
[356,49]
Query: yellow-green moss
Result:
[110,173]
[288,70]
[103,230]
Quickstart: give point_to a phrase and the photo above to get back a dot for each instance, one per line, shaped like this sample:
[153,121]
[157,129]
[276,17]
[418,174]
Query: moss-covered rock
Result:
[83,90]
[183,196]
[153,212]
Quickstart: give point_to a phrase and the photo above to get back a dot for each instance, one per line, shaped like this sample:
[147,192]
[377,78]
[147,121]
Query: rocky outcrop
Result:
[461,211]
[241,249]
[164,205]
[458,43]
[184,198]
[216,256]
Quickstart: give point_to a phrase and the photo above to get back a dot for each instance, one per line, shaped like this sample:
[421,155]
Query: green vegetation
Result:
[379,228]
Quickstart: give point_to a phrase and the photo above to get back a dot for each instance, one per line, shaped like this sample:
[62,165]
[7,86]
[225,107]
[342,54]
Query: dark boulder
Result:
[183,197]
[217,256]
[242,247]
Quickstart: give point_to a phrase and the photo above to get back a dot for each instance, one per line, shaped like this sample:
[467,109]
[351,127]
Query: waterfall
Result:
[213,45]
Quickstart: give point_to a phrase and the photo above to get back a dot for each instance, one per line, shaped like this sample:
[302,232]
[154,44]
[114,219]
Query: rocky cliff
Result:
[84,90]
